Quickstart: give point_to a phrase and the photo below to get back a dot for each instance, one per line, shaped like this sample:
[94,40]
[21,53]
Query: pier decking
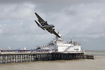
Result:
[39,56]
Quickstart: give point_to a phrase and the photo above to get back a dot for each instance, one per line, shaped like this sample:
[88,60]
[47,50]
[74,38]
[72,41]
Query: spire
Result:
[71,41]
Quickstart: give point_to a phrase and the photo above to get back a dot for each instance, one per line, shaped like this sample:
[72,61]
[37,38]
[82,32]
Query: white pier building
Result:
[59,45]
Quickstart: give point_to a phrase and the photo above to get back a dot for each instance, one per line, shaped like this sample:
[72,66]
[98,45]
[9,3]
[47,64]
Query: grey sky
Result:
[81,20]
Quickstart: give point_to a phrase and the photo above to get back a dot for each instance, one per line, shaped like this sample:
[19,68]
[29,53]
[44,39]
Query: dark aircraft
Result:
[44,25]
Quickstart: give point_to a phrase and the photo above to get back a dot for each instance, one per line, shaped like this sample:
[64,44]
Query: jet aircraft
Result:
[44,25]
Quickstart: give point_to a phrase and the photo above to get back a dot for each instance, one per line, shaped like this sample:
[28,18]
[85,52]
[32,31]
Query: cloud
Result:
[81,20]
[1,28]
[16,11]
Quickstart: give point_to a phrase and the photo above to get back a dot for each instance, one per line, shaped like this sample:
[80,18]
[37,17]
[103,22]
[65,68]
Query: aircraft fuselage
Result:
[47,26]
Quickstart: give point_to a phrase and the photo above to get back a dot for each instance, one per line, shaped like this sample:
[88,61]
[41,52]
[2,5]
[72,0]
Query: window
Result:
[76,49]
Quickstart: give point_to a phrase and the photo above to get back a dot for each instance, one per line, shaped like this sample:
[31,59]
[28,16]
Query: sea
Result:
[98,63]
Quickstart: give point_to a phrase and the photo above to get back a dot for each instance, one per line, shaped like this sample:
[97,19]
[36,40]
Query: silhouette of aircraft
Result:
[45,26]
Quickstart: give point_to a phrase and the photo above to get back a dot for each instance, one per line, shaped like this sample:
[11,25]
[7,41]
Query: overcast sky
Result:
[81,20]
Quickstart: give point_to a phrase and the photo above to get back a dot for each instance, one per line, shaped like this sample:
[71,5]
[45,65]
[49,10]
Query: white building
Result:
[60,45]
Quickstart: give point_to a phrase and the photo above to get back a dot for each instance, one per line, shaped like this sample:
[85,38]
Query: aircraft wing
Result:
[41,20]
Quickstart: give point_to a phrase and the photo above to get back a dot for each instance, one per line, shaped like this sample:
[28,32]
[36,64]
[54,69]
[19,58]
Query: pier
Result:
[40,56]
